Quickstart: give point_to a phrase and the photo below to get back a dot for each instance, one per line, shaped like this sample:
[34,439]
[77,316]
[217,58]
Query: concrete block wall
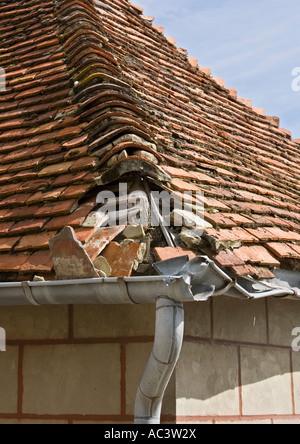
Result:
[77,364]
[82,364]
[237,364]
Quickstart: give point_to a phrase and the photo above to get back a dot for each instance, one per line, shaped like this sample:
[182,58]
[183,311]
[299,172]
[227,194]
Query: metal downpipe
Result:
[164,357]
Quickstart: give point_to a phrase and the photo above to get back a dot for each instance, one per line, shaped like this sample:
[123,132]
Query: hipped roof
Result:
[86,80]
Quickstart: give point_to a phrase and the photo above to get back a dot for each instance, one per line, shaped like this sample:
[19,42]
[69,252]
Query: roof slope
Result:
[88,80]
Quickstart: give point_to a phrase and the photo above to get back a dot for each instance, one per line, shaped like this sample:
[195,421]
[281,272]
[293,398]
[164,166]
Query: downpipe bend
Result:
[168,341]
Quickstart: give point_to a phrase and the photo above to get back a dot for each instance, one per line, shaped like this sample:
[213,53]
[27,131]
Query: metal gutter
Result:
[110,291]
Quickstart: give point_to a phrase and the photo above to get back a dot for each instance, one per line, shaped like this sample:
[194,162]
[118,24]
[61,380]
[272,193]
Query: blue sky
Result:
[253,45]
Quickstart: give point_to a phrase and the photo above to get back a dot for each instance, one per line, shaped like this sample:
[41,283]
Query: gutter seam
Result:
[28,294]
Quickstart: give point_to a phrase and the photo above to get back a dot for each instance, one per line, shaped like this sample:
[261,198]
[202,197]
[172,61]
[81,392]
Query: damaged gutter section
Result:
[204,276]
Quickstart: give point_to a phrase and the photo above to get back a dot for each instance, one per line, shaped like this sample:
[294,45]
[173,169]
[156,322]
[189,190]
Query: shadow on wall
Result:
[238,354]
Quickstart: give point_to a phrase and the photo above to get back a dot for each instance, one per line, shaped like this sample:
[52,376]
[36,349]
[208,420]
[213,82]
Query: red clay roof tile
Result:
[121,258]
[166,253]
[261,273]
[13,263]
[134,90]
[284,250]
[243,270]
[39,262]
[26,226]
[34,242]
[228,259]
[7,244]
[102,239]
[257,255]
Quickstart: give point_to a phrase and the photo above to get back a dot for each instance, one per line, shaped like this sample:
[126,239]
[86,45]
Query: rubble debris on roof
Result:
[96,94]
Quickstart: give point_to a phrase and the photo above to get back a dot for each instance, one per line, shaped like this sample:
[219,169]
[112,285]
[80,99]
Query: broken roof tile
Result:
[101,239]
[121,258]
[75,102]
[262,273]
[70,259]
[166,253]
[229,238]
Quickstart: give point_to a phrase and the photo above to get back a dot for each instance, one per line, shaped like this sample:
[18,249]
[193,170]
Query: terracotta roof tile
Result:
[101,240]
[84,235]
[26,226]
[56,208]
[34,242]
[243,270]
[261,273]
[13,263]
[8,243]
[166,253]
[181,185]
[284,250]
[4,227]
[257,255]
[121,258]
[192,175]
[70,259]
[284,236]
[105,83]
[228,259]
[39,262]
[232,235]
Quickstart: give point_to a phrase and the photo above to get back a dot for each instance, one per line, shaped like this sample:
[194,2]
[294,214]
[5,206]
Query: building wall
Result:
[83,364]
[239,357]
